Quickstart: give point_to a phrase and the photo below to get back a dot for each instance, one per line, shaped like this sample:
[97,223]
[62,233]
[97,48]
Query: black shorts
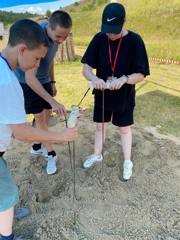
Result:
[33,102]
[118,119]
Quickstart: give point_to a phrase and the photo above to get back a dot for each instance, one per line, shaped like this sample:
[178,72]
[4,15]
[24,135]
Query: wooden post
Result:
[1,30]
[66,51]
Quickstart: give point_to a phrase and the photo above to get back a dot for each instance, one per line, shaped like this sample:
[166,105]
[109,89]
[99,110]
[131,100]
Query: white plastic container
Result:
[71,122]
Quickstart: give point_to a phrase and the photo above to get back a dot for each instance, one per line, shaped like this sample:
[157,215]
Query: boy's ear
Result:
[48,25]
[22,48]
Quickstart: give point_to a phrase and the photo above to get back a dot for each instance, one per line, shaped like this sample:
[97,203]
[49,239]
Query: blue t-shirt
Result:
[45,63]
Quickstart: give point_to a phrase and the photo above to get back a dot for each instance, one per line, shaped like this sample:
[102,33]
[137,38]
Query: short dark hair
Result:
[28,32]
[60,18]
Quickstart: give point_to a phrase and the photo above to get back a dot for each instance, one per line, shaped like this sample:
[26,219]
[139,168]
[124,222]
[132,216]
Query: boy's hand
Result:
[98,84]
[118,83]
[70,134]
[58,108]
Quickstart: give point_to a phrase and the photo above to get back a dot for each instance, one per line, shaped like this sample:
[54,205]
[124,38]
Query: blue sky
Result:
[32,6]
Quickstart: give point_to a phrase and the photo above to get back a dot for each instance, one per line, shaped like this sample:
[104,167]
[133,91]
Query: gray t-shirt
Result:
[45,63]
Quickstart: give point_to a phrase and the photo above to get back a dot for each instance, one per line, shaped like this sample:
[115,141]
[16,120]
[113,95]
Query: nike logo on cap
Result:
[110,19]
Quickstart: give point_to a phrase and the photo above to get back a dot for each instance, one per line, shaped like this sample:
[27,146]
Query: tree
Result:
[48,13]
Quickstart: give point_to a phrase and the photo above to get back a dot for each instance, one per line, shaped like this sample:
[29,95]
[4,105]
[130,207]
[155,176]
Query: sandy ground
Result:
[145,208]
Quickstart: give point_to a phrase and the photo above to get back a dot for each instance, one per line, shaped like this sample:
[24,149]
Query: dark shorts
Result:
[33,102]
[118,119]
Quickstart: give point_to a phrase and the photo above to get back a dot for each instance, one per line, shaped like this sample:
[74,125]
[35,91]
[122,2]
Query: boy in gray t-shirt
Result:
[39,86]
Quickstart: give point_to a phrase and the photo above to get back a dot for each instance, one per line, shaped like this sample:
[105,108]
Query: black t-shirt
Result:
[132,58]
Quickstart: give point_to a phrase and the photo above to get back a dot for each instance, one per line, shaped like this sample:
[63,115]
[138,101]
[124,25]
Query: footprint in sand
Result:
[43,197]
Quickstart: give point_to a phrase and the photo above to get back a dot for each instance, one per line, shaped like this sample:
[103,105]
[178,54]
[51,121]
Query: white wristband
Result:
[127,78]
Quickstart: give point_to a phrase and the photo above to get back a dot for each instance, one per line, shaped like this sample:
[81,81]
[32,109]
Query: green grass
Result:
[157,21]
[157,103]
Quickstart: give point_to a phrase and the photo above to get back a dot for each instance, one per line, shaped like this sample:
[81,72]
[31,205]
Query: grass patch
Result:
[157,21]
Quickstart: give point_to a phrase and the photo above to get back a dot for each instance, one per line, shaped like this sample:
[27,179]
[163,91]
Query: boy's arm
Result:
[53,82]
[24,132]
[37,87]
[130,79]
[134,78]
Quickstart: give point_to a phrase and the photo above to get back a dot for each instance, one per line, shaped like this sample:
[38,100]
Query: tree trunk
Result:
[66,51]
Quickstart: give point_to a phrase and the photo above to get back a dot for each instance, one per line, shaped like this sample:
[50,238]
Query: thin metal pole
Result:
[102,169]
[72,156]
[83,96]
[74,183]
[69,147]
[74,172]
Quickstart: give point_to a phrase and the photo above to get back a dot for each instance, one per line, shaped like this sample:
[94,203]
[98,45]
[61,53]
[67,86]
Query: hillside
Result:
[10,17]
[157,21]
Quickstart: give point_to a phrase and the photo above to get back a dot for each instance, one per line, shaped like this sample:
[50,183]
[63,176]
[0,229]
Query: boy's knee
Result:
[40,119]
[125,130]
[9,196]
[99,127]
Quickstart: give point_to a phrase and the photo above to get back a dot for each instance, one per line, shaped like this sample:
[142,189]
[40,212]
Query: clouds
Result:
[40,7]
[31,9]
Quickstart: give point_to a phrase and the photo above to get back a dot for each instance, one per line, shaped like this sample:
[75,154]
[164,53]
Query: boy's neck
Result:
[124,32]
[10,55]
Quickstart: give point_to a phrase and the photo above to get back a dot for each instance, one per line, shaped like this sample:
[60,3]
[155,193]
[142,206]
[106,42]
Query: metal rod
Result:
[33,122]
[69,147]
[74,184]
[102,169]
[83,96]
[74,173]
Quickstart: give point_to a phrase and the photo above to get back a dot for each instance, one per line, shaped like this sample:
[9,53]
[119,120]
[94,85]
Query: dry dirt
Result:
[147,207]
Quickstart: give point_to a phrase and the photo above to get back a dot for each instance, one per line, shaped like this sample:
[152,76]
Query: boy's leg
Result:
[124,122]
[41,123]
[47,110]
[6,222]
[126,140]
[99,128]
[98,138]
[41,120]
[48,113]
[97,156]
[37,148]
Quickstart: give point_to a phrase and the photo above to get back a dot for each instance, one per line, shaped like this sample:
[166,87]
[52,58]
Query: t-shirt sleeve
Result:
[140,61]
[91,55]
[20,75]
[11,104]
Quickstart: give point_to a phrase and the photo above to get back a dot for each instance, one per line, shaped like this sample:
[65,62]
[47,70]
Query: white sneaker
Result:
[51,165]
[91,160]
[40,152]
[127,169]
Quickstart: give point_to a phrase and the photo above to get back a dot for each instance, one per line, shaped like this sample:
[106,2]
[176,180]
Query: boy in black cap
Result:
[39,86]
[120,59]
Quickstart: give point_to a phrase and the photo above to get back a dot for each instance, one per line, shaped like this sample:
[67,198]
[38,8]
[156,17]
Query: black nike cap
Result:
[113,18]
